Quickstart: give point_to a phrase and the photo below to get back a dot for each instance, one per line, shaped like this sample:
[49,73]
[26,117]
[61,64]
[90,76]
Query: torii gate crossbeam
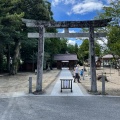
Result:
[63,35]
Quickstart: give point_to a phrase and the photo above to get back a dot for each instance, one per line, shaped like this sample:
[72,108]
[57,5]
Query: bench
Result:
[66,84]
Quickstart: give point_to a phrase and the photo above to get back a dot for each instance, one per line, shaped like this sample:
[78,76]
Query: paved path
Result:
[66,74]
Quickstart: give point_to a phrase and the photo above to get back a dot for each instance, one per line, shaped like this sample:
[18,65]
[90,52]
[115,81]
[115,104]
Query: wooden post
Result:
[119,68]
[40,59]
[92,60]
[103,84]
[30,84]
[66,30]
[8,58]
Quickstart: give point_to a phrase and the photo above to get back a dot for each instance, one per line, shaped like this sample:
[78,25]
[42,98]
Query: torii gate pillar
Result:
[40,58]
[92,60]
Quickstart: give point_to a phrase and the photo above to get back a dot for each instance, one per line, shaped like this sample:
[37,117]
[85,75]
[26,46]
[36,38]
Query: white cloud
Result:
[100,42]
[70,31]
[82,38]
[86,6]
[69,13]
[81,6]
[70,1]
[56,2]
[71,42]
[103,41]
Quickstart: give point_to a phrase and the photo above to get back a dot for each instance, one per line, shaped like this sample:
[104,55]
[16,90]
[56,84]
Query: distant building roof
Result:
[65,57]
[108,56]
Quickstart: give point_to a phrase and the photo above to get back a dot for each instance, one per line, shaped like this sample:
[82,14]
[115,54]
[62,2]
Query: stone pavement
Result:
[56,91]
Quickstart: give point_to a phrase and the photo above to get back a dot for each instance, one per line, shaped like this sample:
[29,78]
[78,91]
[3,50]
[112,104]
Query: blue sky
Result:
[76,10]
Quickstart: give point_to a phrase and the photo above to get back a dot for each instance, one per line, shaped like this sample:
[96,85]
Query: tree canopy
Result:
[13,33]
[112,30]
[83,50]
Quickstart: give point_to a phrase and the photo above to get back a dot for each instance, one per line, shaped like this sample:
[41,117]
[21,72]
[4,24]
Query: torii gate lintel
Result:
[67,24]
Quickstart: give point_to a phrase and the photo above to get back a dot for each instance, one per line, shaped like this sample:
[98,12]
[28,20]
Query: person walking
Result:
[77,74]
[81,72]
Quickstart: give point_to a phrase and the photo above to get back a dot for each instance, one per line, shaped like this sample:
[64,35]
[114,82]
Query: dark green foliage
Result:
[10,26]
[13,33]
[63,46]
[71,48]
[37,9]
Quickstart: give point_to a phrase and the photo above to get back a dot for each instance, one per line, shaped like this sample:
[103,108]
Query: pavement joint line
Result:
[44,95]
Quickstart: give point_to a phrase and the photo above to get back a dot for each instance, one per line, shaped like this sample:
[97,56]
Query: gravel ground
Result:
[19,82]
[112,87]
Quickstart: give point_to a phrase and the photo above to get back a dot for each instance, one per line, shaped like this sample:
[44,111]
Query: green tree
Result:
[63,46]
[111,11]
[10,21]
[37,9]
[41,10]
[83,51]
[114,40]
[71,48]
[13,33]
[76,48]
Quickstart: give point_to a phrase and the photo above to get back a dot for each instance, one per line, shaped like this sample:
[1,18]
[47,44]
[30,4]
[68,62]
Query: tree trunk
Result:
[8,58]
[1,57]
[15,61]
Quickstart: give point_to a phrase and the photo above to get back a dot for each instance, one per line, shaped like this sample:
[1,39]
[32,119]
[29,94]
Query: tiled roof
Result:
[65,57]
[108,56]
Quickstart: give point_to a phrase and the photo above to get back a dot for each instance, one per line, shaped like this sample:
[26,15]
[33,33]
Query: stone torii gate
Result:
[41,25]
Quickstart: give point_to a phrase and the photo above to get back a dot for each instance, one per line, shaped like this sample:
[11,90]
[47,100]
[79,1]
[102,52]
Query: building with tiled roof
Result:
[108,56]
[107,59]
[65,60]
